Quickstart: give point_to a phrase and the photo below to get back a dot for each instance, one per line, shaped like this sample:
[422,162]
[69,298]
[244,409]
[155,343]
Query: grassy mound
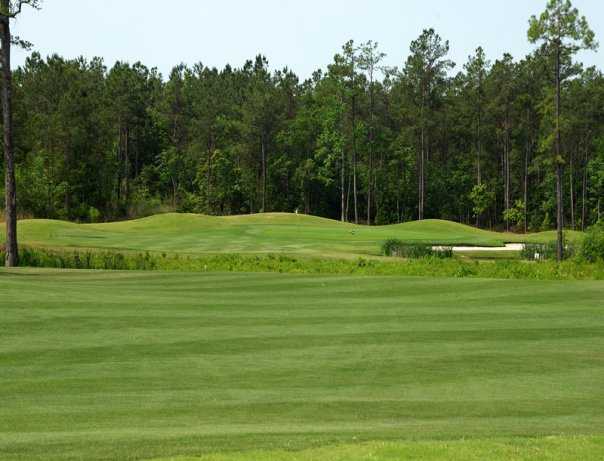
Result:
[263,233]
[114,365]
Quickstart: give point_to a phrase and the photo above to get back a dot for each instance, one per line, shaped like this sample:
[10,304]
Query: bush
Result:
[515,215]
[401,249]
[443,252]
[592,248]
[94,215]
[142,202]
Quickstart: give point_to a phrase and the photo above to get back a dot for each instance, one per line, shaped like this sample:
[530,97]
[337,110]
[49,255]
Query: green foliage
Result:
[401,249]
[561,25]
[142,202]
[427,64]
[516,214]
[592,247]
[126,141]
[595,171]
[41,190]
[481,198]
[418,262]
[94,215]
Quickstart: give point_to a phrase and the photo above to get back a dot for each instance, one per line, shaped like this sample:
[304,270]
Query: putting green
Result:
[101,365]
[264,233]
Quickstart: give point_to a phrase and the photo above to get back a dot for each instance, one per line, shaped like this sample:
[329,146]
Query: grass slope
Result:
[100,365]
[264,233]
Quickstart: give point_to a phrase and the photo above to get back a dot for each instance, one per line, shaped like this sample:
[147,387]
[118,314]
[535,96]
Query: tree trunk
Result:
[506,172]
[12,253]
[343,186]
[369,184]
[526,173]
[120,143]
[572,193]
[377,198]
[354,164]
[479,142]
[174,191]
[127,164]
[348,194]
[422,157]
[209,173]
[354,144]
[263,175]
[559,214]
[208,182]
[136,158]
[584,190]
[558,162]
[399,214]
[370,166]
[420,213]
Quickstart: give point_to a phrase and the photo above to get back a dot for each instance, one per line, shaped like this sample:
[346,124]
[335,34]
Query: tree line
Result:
[514,144]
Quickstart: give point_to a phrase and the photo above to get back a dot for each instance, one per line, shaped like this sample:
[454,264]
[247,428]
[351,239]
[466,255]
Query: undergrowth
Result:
[428,266]
[401,249]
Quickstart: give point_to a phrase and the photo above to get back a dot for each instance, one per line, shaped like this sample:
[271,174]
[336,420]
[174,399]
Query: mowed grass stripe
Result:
[143,365]
[550,449]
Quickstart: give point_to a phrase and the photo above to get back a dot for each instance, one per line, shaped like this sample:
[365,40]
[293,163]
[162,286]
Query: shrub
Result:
[482,198]
[592,248]
[390,247]
[401,249]
[515,215]
[94,215]
[443,252]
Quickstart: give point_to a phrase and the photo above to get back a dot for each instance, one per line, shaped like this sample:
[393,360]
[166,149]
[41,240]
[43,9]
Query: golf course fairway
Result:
[131,365]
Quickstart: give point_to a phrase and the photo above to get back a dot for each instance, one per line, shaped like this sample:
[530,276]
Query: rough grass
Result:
[259,234]
[433,266]
[139,365]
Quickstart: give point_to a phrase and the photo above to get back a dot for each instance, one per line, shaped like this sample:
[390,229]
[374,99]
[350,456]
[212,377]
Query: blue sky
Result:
[301,34]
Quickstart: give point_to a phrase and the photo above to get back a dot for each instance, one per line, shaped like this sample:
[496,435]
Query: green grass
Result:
[131,365]
[264,233]
[547,449]
[461,266]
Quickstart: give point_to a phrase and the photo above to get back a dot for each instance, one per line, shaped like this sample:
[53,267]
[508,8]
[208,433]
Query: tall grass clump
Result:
[575,269]
[100,260]
[401,249]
